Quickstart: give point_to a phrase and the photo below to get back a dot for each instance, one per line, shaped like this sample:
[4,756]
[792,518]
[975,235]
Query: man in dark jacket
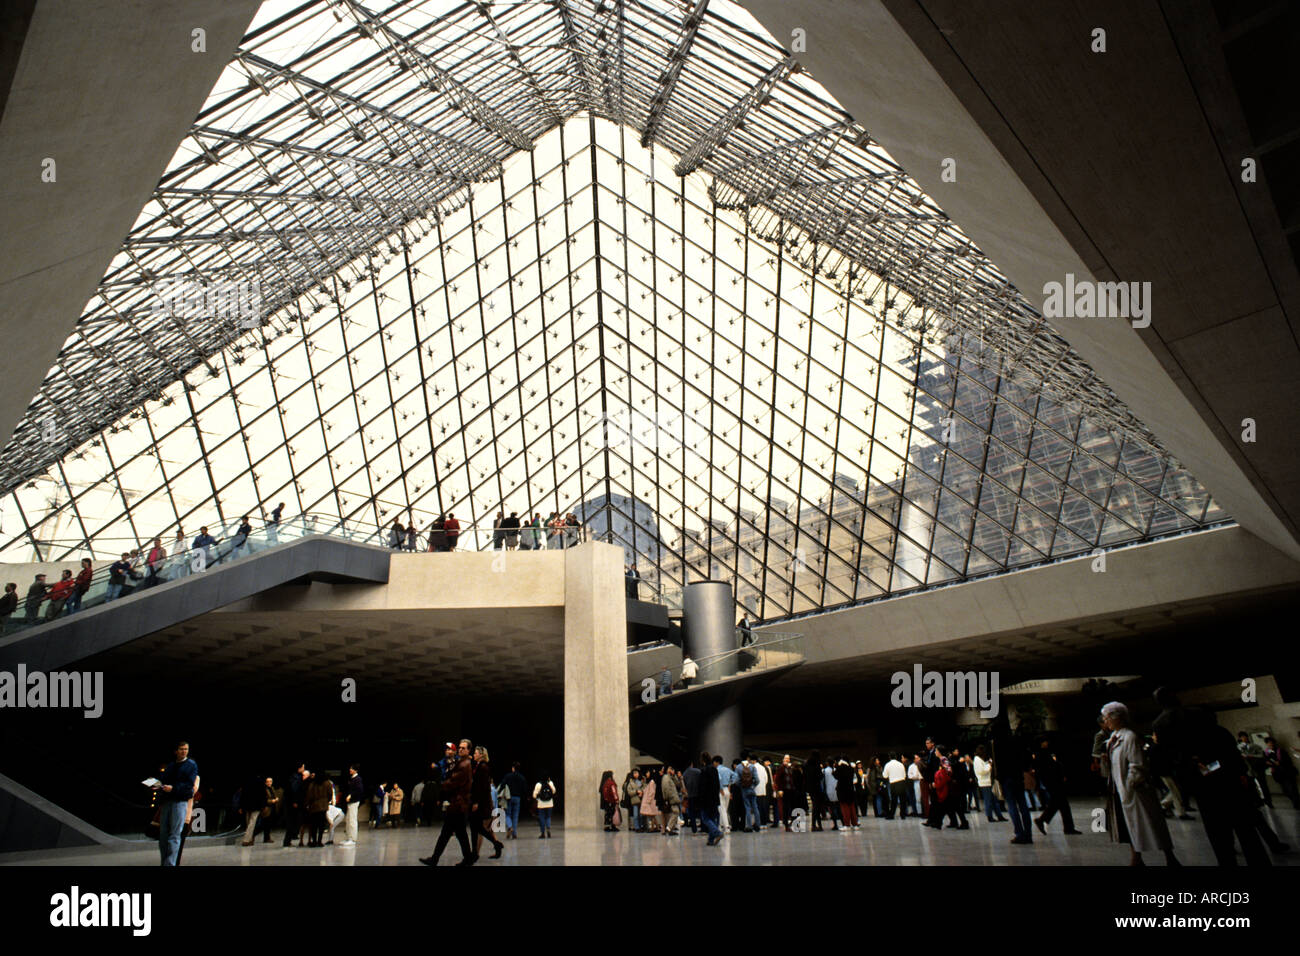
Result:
[1009,768]
[691,782]
[295,800]
[1209,767]
[35,595]
[456,791]
[514,781]
[1048,771]
[708,796]
[354,794]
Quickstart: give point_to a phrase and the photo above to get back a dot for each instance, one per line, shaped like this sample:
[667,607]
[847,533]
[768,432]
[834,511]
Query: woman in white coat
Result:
[1133,812]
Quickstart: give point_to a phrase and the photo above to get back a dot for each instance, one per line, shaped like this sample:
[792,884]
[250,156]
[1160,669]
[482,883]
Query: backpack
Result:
[546,793]
[746,778]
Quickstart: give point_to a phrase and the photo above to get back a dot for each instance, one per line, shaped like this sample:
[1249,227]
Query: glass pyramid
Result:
[622,258]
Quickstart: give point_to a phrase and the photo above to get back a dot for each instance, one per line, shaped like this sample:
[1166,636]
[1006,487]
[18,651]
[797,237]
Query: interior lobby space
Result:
[672,433]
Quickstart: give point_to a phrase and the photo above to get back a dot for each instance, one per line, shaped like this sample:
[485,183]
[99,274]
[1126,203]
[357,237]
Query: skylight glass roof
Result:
[619,258]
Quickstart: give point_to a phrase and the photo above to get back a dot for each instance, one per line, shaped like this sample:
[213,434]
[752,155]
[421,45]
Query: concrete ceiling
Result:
[1123,165]
[107,91]
[479,652]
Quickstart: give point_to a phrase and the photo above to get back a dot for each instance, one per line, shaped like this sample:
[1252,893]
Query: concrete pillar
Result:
[720,733]
[596,736]
[708,609]
[709,625]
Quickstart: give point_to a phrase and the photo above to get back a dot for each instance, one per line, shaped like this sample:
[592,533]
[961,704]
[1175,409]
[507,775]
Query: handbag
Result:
[997,789]
[618,816]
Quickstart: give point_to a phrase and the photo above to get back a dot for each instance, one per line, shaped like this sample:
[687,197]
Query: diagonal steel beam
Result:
[668,79]
[708,143]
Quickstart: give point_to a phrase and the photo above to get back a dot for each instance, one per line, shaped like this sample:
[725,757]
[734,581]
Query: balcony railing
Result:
[771,649]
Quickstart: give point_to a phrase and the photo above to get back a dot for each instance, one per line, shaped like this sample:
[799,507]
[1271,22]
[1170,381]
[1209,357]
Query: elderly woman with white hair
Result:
[1133,812]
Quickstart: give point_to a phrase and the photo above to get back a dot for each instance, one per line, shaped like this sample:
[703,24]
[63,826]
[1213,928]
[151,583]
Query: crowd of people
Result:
[1007,777]
[139,568]
[509,532]
[134,571]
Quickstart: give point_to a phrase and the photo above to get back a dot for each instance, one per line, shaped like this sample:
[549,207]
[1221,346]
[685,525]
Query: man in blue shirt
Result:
[726,777]
[202,543]
[175,792]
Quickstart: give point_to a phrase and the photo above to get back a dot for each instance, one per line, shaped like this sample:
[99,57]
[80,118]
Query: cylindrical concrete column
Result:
[720,734]
[710,629]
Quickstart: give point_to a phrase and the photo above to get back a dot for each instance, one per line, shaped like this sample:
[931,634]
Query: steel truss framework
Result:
[479,293]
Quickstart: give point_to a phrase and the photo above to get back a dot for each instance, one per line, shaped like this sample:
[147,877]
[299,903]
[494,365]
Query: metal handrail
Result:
[780,641]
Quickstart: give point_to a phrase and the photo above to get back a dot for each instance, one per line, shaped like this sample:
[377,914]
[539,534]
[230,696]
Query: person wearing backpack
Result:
[544,793]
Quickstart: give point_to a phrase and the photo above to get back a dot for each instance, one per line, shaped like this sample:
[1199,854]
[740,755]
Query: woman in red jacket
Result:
[609,799]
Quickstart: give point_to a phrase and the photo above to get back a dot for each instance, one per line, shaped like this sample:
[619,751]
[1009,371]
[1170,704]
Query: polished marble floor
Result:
[879,843]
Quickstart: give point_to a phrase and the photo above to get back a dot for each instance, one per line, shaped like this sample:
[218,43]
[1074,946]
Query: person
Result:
[515,783]
[396,535]
[631,582]
[815,781]
[273,525]
[320,793]
[1133,811]
[396,795]
[665,681]
[117,572]
[1205,755]
[204,542]
[539,531]
[746,634]
[412,533]
[708,790]
[726,780]
[762,787]
[608,792]
[511,526]
[894,777]
[354,791]
[9,602]
[179,565]
[650,804]
[176,787]
[1283,768]
[498,531]
[632,788]
[438,534]
[1009,771]
[875,788]
[79,586]
[272,798]
[295,808]
[156,562]
[451,531]
[984,780]
[241,538]
[1048,771]
[748,780]
[251,803]
[783,785]
[59,595]
[670,799]
[914,781]
[572,530]
[843,774]
[481,805]
[691,787]
[35,595]
[456,789]
[544,793]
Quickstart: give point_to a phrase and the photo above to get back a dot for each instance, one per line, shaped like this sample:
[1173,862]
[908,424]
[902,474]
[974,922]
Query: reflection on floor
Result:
[879,843]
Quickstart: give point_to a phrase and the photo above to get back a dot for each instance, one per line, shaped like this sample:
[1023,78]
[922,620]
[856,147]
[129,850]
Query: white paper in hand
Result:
[152,782]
